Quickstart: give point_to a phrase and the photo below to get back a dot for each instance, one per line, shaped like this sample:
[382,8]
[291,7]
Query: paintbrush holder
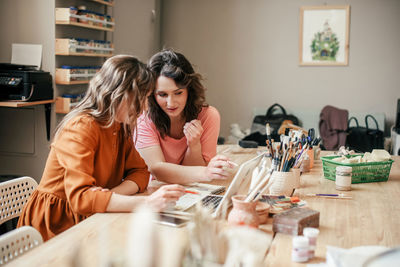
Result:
[282,183]
[243,213]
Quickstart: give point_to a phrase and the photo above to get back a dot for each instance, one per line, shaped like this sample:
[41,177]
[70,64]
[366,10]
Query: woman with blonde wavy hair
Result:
[93,165]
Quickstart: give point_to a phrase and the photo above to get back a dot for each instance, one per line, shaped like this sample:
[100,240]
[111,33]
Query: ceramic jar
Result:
[243,213]
[262,209]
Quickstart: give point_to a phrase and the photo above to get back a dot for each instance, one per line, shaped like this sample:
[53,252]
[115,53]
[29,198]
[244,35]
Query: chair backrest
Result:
[13,196]
[17,242]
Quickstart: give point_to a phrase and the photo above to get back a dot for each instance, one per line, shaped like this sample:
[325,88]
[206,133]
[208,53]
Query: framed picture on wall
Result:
[324,35]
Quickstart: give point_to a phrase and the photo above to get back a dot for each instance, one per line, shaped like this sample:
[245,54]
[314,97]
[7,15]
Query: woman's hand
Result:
[193,131]
[165,196]
[218,168]
[99,188]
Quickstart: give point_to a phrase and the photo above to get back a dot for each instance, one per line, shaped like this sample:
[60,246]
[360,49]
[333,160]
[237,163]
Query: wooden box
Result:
[63,105]
[293,221]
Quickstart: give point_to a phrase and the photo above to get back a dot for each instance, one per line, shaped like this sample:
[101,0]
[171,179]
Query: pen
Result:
[330,195]
[191,192]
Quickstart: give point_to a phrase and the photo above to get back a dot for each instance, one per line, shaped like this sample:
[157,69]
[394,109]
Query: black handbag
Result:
[364,139]
[274,119]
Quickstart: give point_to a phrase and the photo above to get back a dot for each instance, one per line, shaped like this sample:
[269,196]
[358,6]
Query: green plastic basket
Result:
[366,172]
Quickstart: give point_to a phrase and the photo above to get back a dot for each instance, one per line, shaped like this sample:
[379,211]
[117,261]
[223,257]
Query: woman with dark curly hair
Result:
[177,136]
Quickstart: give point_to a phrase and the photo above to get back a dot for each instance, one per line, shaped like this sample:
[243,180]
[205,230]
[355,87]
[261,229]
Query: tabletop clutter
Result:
[270,193]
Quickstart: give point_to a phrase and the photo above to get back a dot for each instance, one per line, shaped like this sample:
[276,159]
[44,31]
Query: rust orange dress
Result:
[84,155]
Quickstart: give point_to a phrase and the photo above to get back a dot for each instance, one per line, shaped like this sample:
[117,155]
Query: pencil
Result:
[191,192]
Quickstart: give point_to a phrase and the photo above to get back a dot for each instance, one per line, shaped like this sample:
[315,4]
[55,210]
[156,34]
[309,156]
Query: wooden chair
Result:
[13,196]
[17,242]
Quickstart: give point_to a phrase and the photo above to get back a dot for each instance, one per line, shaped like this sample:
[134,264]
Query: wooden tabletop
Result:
[372,217]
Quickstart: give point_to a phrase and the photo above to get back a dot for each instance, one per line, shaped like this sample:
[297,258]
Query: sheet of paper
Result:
[27,54]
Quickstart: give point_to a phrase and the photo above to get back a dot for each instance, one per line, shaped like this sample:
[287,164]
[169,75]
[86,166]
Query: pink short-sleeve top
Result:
[147,135]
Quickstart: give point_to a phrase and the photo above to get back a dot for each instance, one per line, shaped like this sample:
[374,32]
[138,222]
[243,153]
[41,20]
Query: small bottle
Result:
[300,249]
[343,178]
[311,234]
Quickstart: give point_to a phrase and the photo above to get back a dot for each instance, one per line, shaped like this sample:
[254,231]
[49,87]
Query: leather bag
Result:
[275,116]
[364,139]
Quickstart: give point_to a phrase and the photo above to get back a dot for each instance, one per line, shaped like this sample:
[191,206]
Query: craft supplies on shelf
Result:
[343,178]
[66,102]
[75,74]
[364,172]
[83,47]
[84,18]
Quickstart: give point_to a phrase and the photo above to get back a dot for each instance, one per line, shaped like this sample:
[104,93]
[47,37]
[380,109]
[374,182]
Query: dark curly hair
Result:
[174,65]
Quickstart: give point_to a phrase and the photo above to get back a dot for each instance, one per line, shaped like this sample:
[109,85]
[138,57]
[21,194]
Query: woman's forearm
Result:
[121,203]
[127,187]
[194,156]
[178,174]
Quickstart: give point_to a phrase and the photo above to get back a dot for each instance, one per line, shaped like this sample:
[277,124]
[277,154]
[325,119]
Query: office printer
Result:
[24,83]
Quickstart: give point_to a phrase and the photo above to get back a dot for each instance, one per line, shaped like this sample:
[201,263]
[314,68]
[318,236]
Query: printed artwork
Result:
[325,44]
[324,35]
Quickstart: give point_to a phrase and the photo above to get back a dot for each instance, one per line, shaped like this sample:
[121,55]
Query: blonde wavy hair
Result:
[121,78]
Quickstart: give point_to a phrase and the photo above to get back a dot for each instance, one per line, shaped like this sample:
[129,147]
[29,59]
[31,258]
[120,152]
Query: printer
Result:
[24,83]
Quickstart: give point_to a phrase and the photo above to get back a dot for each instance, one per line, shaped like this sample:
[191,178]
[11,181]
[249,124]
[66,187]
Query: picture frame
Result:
[324,35]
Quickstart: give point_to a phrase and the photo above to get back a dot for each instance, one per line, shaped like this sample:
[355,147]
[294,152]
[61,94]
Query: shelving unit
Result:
[103,2]
[68,44]
[83,54]
[58,22]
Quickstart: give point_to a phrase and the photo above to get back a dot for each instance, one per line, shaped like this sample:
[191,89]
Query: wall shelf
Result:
[83,25]
[19,104]
[72,82]
[64,105]
[82,54]
[103,2]
[66,44]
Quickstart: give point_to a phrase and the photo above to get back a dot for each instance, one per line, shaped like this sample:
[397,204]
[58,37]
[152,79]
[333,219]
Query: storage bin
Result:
[365,172]
[68,74]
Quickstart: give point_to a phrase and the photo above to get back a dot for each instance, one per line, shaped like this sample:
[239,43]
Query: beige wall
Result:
[248,53]
[27,22]
[137,30]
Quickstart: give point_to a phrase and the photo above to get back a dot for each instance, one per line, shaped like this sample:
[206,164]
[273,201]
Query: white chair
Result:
[13,196]
[17,242]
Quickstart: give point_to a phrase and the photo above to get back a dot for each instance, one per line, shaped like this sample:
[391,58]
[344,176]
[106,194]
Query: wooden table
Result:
[372,217]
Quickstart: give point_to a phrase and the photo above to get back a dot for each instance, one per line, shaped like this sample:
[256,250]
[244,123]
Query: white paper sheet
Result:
[27,54]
